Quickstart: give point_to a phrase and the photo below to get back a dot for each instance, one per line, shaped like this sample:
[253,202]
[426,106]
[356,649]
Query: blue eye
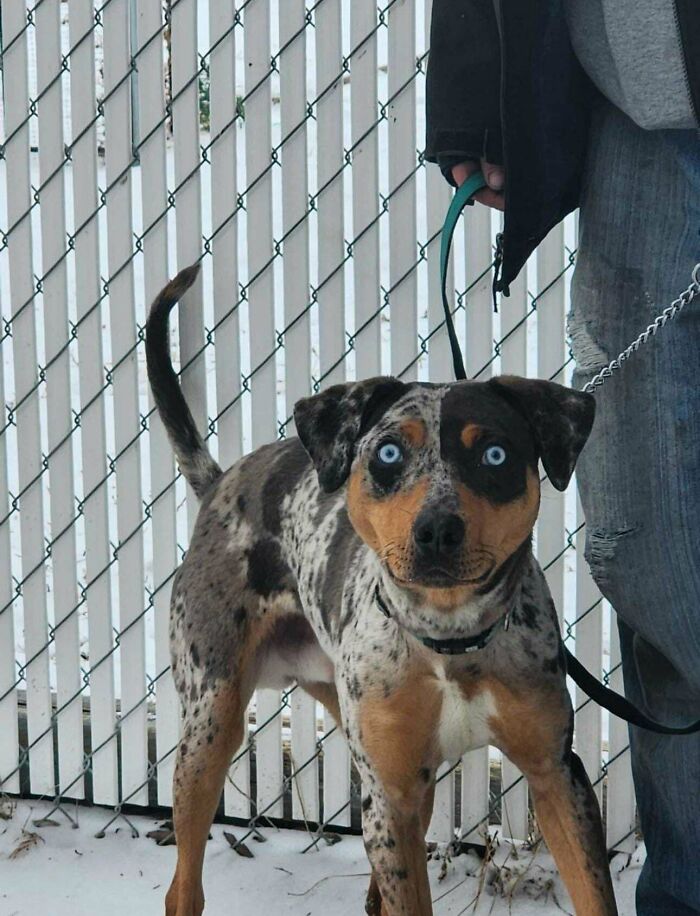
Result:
[494,456]
[389,453]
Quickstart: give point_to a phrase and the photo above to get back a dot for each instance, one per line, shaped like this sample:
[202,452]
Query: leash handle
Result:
[463,196]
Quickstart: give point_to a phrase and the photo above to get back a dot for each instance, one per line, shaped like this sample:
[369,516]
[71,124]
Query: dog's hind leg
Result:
[213,730]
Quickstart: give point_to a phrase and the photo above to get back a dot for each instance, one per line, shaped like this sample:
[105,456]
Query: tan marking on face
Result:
[398,733]
[470,434]
[386,524]
[499,529]
[414,431]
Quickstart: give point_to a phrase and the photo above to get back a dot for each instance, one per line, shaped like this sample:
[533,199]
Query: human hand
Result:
[491,196]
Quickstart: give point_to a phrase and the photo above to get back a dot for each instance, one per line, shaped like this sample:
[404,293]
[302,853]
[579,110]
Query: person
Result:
[594,104]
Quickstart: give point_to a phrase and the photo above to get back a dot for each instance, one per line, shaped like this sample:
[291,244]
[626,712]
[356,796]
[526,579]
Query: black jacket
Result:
[504,83]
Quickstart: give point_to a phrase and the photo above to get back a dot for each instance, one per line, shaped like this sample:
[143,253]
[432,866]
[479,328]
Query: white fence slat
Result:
[550,358]
[620,820]
[260,295]
[478,305]
[478,300]
[442,822]
[589,651]
[297,344]
[9,724]
[152,159]
[304,737]
[118,158]
[401,113]
[329,138]
[188,211]
[329,201]
[268,759]
[224,246]
[237,789]
[437,200]
[475,796]
[514,362]
[336,775]
[88,292]
[438,196]
[69,701]
[365,186]
[29,448]
[295,223]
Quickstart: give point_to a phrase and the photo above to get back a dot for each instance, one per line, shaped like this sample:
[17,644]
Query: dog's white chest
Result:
[464,723]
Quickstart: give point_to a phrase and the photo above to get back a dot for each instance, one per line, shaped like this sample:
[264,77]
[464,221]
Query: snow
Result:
[70,871]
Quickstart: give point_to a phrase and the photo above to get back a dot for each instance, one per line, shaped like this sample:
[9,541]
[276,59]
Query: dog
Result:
[383,561]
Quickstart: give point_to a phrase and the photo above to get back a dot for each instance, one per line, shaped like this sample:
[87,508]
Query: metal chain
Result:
[672,311]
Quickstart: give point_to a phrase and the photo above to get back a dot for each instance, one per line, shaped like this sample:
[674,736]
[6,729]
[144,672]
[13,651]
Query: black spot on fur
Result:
[342,547]
[267,571]
[330,423]
[471,403]
[560,420]
[367,803]
[528,615]
[354,688]
[290,467]
[241,503]
[195,654]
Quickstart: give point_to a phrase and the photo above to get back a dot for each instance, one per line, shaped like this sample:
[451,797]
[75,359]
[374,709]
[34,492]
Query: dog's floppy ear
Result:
[330,423]
[560,419]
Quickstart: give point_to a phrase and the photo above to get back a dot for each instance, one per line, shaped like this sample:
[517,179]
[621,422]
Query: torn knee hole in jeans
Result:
[601,550]
[589,355]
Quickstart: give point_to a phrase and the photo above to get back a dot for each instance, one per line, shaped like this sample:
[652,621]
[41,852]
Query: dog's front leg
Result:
[373,902]
[392,740]
[534,729]
[394,838]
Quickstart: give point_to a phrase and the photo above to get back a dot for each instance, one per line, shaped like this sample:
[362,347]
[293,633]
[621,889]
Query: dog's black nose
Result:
[438,532]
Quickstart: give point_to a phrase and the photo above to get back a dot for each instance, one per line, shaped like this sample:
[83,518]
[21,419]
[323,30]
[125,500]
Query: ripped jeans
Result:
[639,474]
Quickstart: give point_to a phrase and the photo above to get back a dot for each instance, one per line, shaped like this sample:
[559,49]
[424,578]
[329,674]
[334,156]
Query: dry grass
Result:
[28,839]
[7,808]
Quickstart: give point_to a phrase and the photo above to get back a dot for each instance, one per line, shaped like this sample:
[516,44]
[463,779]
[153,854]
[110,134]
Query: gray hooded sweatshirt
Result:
[631,50]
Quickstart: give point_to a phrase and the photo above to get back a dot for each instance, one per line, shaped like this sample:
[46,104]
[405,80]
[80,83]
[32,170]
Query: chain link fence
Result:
[280,144]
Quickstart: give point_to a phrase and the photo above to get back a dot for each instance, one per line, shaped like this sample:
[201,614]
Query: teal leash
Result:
[462,197]
[599,693]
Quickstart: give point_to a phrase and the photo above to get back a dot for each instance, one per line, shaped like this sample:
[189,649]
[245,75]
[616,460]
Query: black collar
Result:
[452,646]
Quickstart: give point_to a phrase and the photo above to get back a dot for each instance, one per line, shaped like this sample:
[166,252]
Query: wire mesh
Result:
[141,140]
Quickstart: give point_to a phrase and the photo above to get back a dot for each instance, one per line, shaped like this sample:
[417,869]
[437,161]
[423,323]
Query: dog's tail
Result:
[194,459]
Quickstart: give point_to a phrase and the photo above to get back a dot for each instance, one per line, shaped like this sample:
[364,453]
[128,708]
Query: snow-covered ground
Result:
[60,871]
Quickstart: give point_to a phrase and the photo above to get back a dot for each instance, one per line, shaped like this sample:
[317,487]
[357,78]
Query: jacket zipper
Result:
[684,58]
[498,286]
